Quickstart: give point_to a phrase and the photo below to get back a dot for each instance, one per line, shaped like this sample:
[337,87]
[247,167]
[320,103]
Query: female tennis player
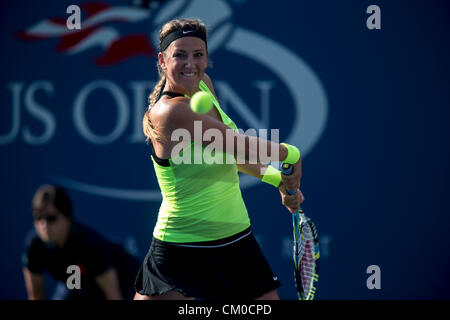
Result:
[202,245]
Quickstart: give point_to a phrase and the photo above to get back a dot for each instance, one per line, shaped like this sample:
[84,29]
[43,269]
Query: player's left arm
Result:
[257,170]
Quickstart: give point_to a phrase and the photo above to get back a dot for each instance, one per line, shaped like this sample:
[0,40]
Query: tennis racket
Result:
[306,250]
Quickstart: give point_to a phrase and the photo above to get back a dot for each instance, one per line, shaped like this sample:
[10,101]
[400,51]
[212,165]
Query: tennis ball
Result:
[201,102]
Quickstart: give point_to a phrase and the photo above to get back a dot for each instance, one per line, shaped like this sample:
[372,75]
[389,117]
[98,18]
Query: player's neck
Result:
[180,90]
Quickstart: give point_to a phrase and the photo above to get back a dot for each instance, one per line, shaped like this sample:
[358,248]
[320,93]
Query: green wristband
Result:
[272,176]
[293,154]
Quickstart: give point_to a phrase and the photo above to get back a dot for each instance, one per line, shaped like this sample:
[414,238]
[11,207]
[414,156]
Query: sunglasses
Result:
[48,218]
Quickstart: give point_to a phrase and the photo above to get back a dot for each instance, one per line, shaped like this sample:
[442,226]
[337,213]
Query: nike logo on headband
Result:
[176,34]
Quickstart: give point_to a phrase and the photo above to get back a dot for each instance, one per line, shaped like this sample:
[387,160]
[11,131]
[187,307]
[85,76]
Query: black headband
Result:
[174,35]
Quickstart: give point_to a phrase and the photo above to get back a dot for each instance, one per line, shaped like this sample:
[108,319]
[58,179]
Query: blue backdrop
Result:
[368,108]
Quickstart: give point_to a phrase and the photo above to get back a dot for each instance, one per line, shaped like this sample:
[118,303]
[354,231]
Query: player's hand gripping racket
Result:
[306,250]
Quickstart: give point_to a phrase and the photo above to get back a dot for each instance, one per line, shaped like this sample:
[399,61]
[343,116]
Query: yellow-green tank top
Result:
[201,202]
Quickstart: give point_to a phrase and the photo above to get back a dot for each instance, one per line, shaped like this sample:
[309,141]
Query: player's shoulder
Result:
[170,104]
[167,111]
[207,80]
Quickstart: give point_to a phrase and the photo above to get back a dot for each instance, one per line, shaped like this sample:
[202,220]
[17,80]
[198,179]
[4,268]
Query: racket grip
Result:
[287,168]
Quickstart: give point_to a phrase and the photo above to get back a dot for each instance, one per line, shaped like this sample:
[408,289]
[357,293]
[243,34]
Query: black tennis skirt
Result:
[229,268]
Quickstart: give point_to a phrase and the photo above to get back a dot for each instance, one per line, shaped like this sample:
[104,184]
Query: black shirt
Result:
[87,249]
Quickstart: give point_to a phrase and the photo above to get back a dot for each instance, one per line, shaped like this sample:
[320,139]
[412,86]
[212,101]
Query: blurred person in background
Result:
[58,242]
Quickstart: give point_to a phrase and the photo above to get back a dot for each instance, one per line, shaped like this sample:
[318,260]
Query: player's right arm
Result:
[175,114]
[257,170]
[34,283]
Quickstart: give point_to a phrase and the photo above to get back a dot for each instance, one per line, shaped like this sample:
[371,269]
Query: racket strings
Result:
[307,261]
[306,254]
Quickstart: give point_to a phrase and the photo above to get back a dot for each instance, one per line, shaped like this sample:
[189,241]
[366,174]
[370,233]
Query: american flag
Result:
[96,32]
